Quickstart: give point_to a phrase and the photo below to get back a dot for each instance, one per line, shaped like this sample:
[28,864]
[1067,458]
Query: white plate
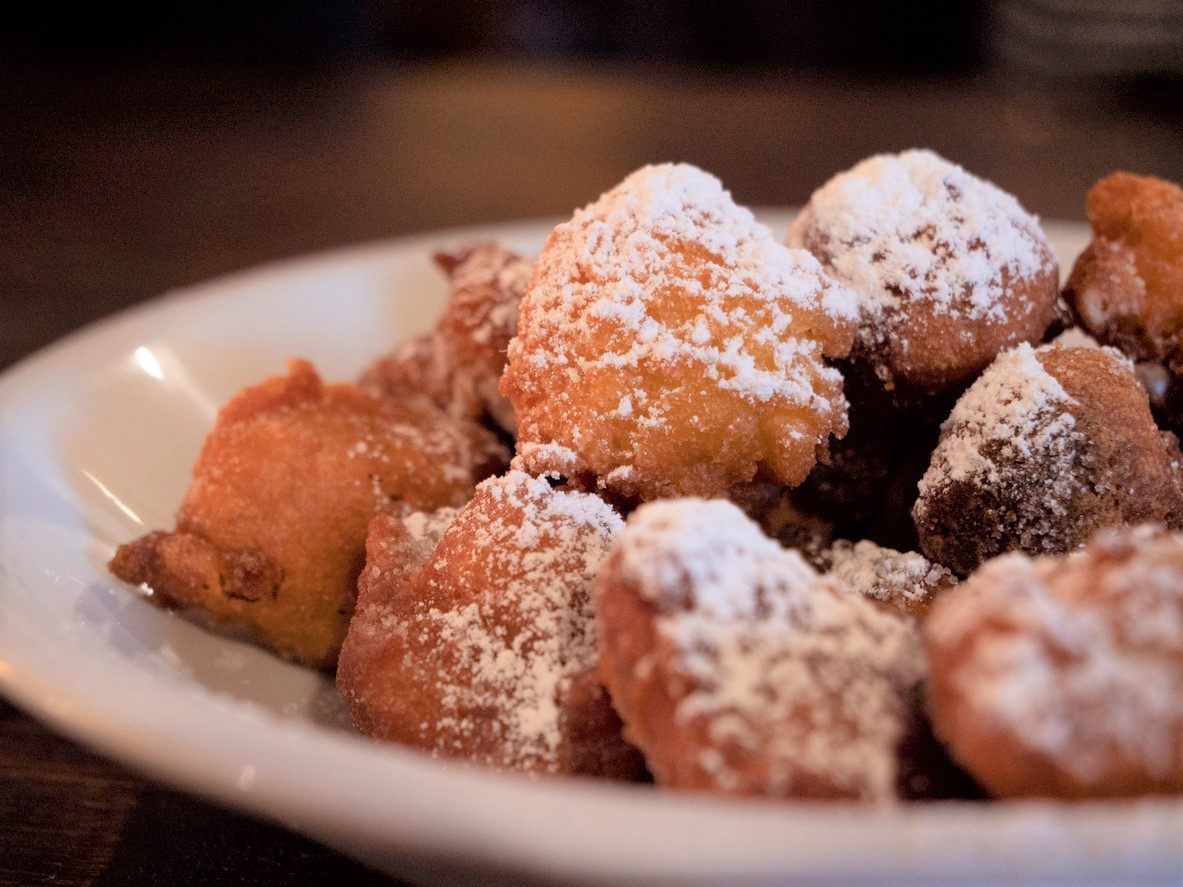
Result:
[97,436]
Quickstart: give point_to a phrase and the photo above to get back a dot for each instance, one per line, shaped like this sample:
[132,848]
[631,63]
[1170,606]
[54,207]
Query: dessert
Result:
[736,668]
[1126,288]
[1059,676]
[271,534]
[1047,447]
[780,425]
[948,268]
[482,645]
[668,345]
[459,363]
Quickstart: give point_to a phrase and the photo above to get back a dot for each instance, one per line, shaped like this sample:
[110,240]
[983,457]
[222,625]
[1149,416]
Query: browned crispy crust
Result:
[270,536]
[1126,288]
[458,364]
[1127,472]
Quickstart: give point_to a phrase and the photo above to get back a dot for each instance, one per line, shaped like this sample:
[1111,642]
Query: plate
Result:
[97,437]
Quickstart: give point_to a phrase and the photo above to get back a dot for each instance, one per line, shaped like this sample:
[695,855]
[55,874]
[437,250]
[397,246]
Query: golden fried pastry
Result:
[906,581]
[484,647]
[459,364]
[738,669]
[1060,677]
[271,534]
[949,269]
[1126,288]
[1044,449]
[668,345]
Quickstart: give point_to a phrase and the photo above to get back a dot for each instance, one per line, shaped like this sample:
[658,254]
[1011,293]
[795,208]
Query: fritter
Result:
[1126,288]
[949,269]
[1059,676]
[668,345]
[1047,447]
[271,534]
[459,363]
[738,669]
[484,646]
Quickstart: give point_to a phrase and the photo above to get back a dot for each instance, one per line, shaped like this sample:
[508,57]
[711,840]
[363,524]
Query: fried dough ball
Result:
[1126,288]
[271,534]
[1060,677]
[949,269]
[484,648]
[669,345]
[1047,447]
[906,581]
[459,364]
[738,669]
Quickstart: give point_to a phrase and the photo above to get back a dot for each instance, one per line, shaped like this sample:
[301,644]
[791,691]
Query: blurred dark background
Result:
[147,147]
[1059,37]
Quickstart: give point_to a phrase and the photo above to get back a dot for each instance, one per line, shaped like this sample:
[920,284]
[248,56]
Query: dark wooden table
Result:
[118,184]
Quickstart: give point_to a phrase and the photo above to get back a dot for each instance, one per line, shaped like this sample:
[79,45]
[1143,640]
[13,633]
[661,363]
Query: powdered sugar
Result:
[426,527]
[1014,414]
[903,579]
[623,246]
[1079,659]
[809,680]
[518,643]
[914,226]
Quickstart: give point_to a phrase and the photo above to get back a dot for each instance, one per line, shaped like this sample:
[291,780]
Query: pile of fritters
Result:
[644,507]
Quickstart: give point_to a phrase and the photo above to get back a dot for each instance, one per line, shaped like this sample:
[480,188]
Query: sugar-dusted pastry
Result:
[1047,447]
[904,580]
[482,645]
[668,345]
[738,669]
[459,363]
[1126,288]
[1060,676]
[949,269]
[271,534]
